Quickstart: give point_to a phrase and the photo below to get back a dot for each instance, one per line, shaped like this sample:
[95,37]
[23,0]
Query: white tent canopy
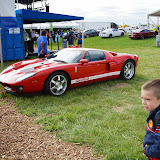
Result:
[67,24]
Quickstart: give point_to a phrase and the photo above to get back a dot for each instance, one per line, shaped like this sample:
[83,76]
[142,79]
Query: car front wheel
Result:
[128,70]
[110,36]
[142,36]
[56,84]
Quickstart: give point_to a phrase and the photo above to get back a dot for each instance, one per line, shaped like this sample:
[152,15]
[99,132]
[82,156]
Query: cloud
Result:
[119,11]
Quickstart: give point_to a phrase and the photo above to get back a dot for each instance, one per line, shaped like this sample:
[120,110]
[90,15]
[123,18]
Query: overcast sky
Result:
[118,11]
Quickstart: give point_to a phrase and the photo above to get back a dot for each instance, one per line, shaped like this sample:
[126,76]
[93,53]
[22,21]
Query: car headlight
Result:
[25,76]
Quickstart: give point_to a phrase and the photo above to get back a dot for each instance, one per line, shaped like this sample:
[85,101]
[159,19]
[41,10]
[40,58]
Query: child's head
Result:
[150,94]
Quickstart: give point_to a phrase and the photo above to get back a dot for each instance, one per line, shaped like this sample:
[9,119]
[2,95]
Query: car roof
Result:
[82,49]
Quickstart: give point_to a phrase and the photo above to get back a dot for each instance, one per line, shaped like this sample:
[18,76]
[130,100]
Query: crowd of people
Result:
[71,36]
[30,38]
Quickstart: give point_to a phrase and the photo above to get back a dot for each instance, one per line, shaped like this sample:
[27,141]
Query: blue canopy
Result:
[30,16]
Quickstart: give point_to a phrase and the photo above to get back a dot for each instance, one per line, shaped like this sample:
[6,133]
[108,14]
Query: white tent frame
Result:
[154,14]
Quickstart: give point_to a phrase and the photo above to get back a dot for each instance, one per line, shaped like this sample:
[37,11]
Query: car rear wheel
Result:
[156,33]
[142,36]
[56,84]
[110,36]
[128,70]
[122,34]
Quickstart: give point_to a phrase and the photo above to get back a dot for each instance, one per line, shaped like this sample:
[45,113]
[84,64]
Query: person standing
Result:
[71,38]
[33,38]
[48,37]
[53,36]
[26,39]
[42,45]
[150,94]
[79,37]
[37,36]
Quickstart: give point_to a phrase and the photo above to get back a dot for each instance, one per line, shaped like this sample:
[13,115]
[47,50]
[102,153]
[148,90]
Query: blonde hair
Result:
[153,85]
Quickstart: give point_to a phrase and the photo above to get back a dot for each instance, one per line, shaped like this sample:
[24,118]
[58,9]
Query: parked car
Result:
[70,67]
[90,33]
[141,34]
[100,30]
[111,33]
[155,29]
[123,29]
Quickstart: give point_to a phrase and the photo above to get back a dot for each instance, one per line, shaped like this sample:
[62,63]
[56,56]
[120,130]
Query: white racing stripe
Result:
[94,77]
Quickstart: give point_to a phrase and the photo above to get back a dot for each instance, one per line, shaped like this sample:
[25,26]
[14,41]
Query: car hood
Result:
[18,69]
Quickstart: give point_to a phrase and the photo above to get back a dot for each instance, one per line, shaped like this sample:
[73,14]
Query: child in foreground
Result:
[150,94]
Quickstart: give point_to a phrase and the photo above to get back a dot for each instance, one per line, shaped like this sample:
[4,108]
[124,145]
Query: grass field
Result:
[108,116]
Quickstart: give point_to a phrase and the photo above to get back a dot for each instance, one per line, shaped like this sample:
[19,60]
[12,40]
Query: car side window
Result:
[95,56]
[86,56]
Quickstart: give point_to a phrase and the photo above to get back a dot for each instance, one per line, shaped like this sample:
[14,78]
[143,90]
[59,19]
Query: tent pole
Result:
[1,55]
[147,20]
[33,5]
[17,4]
[82,35]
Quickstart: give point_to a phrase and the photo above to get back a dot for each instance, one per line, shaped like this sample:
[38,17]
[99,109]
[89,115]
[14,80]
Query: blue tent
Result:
[30,17]
[13,38]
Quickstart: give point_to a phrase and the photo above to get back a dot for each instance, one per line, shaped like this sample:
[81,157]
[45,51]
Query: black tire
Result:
[156,33]
[110,36]
[128,70]
[56,84]
[122,34]
[142,36]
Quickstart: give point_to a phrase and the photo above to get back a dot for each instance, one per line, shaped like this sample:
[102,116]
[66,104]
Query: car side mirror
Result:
[82,61]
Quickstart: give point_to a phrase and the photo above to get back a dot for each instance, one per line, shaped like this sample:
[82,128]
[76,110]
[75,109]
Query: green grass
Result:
[105,116]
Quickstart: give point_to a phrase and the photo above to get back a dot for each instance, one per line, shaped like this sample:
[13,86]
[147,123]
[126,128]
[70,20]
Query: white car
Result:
[111,33]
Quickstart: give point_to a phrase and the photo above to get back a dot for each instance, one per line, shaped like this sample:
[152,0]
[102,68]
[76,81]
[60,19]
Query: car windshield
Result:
[108,30]
[138,30]
[68,56]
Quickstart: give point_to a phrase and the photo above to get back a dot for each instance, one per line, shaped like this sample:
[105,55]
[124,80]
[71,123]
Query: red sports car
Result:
[70,67]
[141,33]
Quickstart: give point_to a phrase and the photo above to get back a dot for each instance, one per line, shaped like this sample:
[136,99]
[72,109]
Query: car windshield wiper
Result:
[59,61]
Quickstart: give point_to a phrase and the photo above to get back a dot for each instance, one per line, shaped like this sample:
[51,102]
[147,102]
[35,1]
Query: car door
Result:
[92,33]
[115,32]
[150,33]
[145,33]
[95,69]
